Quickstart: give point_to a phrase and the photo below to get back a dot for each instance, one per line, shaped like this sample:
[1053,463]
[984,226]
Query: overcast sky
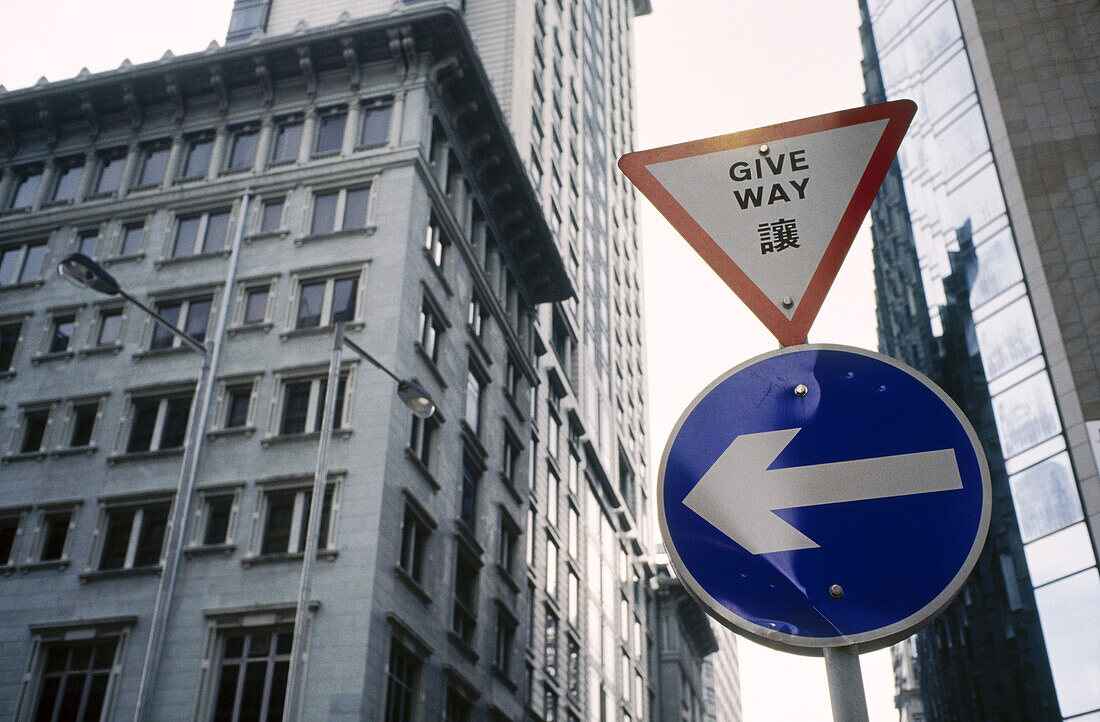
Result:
[702,68]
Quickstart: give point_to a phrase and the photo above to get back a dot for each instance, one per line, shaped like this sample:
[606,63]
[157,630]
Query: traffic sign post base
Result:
[845,684]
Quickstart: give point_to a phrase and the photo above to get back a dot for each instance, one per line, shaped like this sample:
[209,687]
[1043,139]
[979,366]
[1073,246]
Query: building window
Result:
[573,671]
[464,620]
[340,210]
[551,567]
[9,341]
[190,314]
[242,149]
[416,530]
[154,163]
[69,173]
[271,215]
[507,543]
[133,535]
[553,430]
[237,405]
[52,535]
[108,327]
[303,405]
[510,458]
[457,705]
[375,128]
[529,555]
[35,423]
[25,188]
[216,516]
[573,532]
[330,133]
[252,674]
[61,333]
[21,263]
[431,330]
[436,244]
[505,641]
[255,304]
[158,423]
[475,394]
[87,242]
[82,426]
[10,523]
[471,479]
[553,485]
[285,520]
[201,233]
[288,139]
[326,301]
[422,437]
[477,317]
[109,171]
[196,161]
[402,678]
[75,678]
[550,660]
[573,600]
[132,236]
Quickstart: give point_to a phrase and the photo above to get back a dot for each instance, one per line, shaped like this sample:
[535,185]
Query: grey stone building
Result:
[418,172]
[685,640]
[985,226]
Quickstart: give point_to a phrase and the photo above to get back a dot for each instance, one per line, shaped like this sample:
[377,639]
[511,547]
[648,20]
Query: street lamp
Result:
[83,272]
[417,399]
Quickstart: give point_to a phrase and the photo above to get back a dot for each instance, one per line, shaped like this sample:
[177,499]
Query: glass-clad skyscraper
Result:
[998,180]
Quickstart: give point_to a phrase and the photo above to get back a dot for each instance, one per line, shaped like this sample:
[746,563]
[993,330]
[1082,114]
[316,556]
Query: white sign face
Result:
[775,212]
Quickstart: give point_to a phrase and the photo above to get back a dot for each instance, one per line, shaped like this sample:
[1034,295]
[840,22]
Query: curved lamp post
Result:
[83,272]
[417,399]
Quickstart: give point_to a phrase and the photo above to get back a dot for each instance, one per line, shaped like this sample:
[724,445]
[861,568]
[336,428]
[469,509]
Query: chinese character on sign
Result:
[777,235]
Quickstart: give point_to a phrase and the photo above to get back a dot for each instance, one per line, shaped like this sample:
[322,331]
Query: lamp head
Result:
[416,398]
[83,272]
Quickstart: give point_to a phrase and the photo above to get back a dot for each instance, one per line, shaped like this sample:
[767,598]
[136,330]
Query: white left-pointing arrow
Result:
[738,494]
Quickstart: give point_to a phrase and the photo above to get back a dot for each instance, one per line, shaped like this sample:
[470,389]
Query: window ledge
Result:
[318,330]
[250,328]
[122,259]
[342,433]
[334,235]
[520,413]
[168,351]
[142,455]
[509,581]
[463,646]
[466,537]
[430,363]
[501,675]
[477,342]
[438,272]
[474,442]
[75,450]
[98,350]
[210,549]
[7,375]
[233,431]
[25,456]
[511,488]
[97,575]
[258,559]
[266,236]
[59,564]
[420,467]
[161,263]
[22,285]
[412,585]
[56,355]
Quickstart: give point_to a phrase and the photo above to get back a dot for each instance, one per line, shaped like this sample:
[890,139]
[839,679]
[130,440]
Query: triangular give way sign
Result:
[774,210]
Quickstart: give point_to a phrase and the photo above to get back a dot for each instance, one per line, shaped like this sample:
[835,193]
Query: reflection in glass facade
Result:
[956,207]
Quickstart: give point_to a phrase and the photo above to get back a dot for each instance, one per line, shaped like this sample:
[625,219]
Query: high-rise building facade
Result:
[438,177]
[994,201]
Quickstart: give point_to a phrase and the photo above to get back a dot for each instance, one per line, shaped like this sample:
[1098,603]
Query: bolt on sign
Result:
[774,210]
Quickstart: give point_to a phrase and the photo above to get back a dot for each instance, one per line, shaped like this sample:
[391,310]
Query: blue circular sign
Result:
[821,496]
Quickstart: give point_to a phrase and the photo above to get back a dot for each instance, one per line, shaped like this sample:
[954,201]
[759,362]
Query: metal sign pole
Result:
[845,684]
